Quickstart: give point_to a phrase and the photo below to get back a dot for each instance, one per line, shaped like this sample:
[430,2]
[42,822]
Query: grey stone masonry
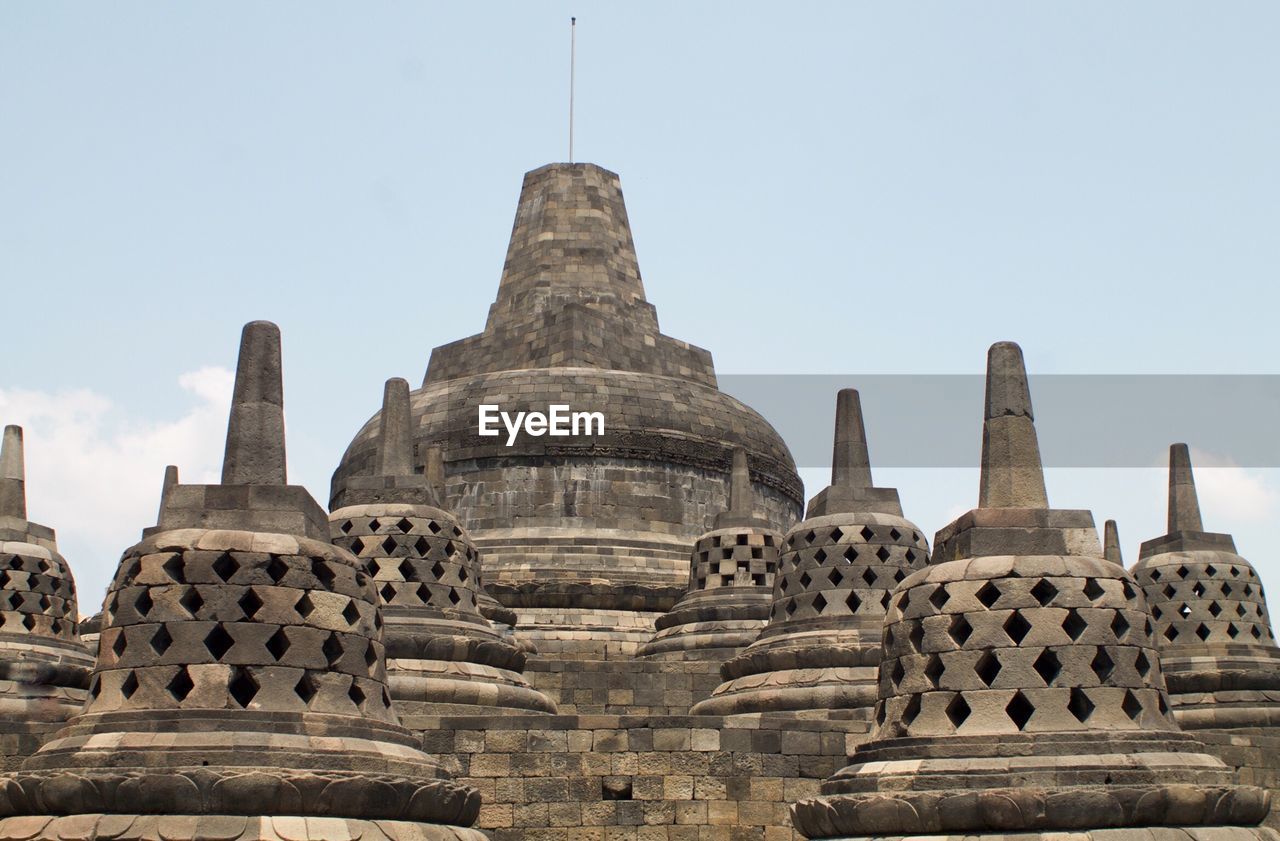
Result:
[1221,659]
[44,666]
[240,687]
[1111,543]
[443,655]
[821,645]
[586,536]
[731,577]
[1021,693]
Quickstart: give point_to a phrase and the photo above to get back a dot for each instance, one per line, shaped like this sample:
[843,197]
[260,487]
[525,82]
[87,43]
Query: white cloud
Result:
[94,469]
[1231,494]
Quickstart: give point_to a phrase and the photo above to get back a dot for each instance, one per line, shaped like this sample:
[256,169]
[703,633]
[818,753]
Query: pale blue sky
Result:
[845,188]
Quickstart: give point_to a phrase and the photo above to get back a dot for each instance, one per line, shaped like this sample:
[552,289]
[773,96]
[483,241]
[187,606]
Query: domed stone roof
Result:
[585,521]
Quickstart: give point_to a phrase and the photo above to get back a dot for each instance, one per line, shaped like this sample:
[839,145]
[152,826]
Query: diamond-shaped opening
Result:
[1074,625]
[1131,705]
[449,548]
[370,655]
[958,710]
[404,525]
[424,593]
[278,644]
[940,596]
[783,584]
[375,524]
[174,568]
[895,534]
[791,607]
[1155,575]
[836,534]
[1048,666]
[1168,591]
[332,649]
[1103,666]
[885,598]
[1235,572]
[356,694]
[851,554]
[243,686]
[1215,609]
[1164,705]
[1129,593]
[218,641]
[1226,590]
[897,673]
[437,570]
[55,626]
[15,600]
[1171,633]
[853,602]
[818,556]
[835,577]
[1248,589]
[989,594]
[4,579]
[225,566]
[987,668]
[805,580]
[351,613]
[869,576]
[161,640]
[29,622]
[1119,626]
[1080,706]
[191,602]
[867,533]
[883,554]
[1210,570]
[119,645]
[1232,630]
[129,686]
[1142,664]
[143,603]
[388,592]
[250,603]
[180,685]
[916,636]
[819,603]
[453,595]
[421,546]
[1044,591]
[1202,631]
[911,710]
[910,556]
[389,545]
[1017,627]
[303,606]
[934,669]
[904,600]
[960,629]
[898,575]
[1256,633]
[346,527]
[1093,590]
[1198,590]
[322,573]
[1019,710]
[305,688]
[1184,610]
[1181,572]
[1156,611]
[278,568]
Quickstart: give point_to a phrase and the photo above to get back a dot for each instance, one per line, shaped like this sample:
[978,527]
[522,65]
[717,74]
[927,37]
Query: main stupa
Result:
[586,537]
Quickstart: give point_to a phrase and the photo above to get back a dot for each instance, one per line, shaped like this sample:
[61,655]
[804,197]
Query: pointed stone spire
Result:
[1111,543]
[850,462]
[435,470]
[741,506]
[170,479]
[1012,475]
[395,449]
[255,452]
[13,493]
[1184,506]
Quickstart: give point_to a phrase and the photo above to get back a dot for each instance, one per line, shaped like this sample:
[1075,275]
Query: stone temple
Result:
[636,631]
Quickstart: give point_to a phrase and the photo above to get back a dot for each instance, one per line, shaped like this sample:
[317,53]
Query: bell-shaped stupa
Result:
[821,646]
[1219,653]
[443,656]
[240,689]
[1020,684]
[731,576]
[44,666]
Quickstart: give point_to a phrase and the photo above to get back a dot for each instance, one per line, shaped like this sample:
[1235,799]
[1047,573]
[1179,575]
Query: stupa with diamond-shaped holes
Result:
[731,576]
[44,666]
[821,646]
[442,654]
[240,688]
[1020,684]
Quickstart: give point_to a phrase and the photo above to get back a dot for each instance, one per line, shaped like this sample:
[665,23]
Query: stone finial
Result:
[170,480]
[850,461]
[255,432]
[1012,475]
[395,449]
[13,493]
[1184,506]
[435,470]
[1111,543]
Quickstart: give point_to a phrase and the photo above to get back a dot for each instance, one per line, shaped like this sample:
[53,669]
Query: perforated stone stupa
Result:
[821,646]
[1020,684]
[240,689]
[731,576]
[44,667]
[586,537]
[1220,655]
[442,654]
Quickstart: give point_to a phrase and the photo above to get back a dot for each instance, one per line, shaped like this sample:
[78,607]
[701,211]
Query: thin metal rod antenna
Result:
[573,49]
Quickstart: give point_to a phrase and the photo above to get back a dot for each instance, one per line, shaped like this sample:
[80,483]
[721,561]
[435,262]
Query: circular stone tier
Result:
[821,646]
[239,673]
[591,523]
[1024,694]
[442,654]
[44,667]
[1219,654]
